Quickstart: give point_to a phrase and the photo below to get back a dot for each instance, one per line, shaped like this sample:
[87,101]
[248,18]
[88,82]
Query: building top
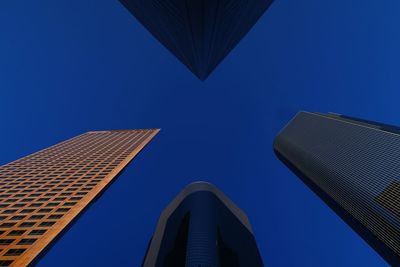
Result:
[202,227]
[199,33]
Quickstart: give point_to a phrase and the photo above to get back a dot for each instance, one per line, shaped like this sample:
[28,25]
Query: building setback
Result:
[202,227]
[200,33]
[354,166]
[42,193]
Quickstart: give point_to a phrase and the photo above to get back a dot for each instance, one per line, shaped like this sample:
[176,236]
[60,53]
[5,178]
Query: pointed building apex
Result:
[200,33]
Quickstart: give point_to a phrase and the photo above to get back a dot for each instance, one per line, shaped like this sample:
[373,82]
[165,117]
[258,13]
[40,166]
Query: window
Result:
[37,232]
[69,203]
[27,211]
[18,217]
[36,217]
[27,241]
[55,216]
[16,232]
[5,263]
[27,224]
[62,210]
[44,224]
[9,211]
[19,205]
[15,252]
[7,225]
[45,210]
[6,241]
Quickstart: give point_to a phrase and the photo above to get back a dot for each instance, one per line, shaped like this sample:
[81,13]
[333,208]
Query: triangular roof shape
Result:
[200,33]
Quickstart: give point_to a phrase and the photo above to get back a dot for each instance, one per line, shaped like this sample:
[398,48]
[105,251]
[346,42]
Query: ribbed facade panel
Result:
[350,164]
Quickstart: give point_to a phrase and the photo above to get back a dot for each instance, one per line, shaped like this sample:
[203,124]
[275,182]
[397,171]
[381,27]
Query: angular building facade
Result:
[200,33]
[41,194]
[353,165]
[202,227]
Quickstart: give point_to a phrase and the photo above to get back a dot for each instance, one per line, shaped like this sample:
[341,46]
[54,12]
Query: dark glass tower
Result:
[200,33]
[354,166]
[202,227]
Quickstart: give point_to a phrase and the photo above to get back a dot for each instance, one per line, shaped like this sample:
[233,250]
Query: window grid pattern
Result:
[355,169]
[42,193]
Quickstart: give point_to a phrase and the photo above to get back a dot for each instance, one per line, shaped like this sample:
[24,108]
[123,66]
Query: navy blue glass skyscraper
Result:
[354,166]
[202,227]
[200,33]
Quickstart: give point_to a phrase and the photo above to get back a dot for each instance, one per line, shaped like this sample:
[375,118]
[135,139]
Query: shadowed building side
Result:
[202,227]
[353,165]
[200,33]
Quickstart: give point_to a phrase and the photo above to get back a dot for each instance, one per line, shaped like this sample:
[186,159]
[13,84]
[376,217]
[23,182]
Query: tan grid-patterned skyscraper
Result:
[42,193]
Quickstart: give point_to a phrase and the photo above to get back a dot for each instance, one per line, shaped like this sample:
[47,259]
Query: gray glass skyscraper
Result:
[202,227]
[354,166]
[200,33]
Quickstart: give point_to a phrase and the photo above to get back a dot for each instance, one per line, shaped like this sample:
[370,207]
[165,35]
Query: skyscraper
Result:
[200,33]
[354,166]
[202,227]
[41,194]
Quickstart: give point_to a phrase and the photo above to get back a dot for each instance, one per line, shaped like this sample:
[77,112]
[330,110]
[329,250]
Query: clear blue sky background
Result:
[70,66]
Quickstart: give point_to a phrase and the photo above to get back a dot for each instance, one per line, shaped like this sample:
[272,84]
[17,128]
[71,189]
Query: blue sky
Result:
[67,67]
